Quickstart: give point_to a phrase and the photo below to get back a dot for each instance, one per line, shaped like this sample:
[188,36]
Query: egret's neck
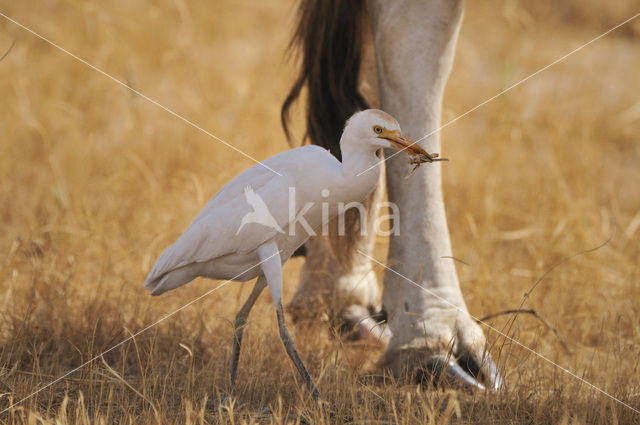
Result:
[360,171]
[358,162]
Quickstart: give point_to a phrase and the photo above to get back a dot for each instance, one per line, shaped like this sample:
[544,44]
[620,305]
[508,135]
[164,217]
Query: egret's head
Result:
[377,129]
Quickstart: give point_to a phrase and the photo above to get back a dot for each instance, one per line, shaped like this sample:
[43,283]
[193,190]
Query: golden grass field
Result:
[96,181]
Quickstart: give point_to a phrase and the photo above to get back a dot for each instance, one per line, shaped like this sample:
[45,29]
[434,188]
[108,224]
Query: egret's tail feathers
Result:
[170,280]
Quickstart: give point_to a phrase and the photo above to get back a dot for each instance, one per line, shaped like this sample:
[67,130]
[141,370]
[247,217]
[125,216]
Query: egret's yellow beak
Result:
[405,144]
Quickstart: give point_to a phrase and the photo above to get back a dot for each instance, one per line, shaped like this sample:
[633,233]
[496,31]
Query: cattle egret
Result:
[252,226]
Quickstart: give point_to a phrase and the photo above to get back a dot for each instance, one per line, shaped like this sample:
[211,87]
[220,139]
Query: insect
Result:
[421,158]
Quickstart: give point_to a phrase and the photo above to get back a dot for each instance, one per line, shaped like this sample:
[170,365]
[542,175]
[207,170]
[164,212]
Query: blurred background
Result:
[96,181]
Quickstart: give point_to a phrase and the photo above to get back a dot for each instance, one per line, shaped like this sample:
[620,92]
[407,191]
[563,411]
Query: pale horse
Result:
[413,46]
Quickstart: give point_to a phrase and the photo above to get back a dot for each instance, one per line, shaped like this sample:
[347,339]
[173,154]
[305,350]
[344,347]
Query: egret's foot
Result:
[306,417]
[329,410]
[449,353]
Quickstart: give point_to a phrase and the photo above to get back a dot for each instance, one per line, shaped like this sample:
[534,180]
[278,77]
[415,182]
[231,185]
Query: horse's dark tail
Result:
[329,36]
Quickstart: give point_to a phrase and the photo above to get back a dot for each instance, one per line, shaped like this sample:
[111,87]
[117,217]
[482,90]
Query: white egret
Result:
[222,243]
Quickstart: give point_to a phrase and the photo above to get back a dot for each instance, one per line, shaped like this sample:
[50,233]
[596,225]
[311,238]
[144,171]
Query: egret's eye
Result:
[377,129]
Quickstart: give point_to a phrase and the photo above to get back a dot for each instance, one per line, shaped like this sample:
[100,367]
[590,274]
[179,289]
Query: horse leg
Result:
[336,279]
[414,45]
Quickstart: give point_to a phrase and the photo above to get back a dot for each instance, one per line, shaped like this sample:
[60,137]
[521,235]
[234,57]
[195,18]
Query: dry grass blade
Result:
[128,385]
[534,314]
[13,43]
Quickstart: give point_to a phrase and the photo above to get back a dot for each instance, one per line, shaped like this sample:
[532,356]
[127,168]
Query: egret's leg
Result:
[241,320]
[293,353]
[271,265]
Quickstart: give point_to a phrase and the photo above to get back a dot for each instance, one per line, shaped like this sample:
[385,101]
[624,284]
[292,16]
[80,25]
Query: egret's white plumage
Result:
[221,244]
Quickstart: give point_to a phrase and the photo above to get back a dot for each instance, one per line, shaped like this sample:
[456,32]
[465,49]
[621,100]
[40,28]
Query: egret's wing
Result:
[273,203]
[216,232]
[306,170]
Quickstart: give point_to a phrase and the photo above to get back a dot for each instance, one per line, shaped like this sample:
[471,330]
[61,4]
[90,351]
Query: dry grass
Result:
[96,181]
